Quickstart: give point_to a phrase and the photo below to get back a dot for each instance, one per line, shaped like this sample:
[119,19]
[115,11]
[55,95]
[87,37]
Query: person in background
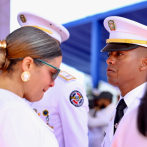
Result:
[93,107]
[91,104]
[29,64]
[64,107]
[100,120]
[127,68]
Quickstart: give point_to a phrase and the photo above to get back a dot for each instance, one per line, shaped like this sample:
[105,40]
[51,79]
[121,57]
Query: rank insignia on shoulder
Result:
[66,76]
[76,98]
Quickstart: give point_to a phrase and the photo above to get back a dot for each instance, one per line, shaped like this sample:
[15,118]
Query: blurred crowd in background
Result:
[102,101]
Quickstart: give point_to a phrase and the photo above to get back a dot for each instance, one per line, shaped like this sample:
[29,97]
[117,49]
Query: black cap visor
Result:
[111,47]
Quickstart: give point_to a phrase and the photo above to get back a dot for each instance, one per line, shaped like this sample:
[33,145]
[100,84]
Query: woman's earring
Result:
[25,76]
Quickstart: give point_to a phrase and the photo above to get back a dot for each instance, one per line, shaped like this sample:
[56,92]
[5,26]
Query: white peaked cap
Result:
[124,30]
[55,30]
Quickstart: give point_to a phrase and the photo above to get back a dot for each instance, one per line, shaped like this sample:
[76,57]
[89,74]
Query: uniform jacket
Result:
[130,99]
[20,126]
[131,138]
[67,111]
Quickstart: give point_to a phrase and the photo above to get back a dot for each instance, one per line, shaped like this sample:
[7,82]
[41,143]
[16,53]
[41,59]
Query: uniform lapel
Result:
[133,105]
[111,124]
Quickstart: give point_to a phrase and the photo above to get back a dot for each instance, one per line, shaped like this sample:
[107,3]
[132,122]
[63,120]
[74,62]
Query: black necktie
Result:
[119,113]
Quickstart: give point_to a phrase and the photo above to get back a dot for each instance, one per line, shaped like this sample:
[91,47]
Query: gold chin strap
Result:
[43,29]
[3,44]
[126,41]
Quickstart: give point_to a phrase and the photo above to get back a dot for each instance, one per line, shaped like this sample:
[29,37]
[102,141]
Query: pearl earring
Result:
[25,76]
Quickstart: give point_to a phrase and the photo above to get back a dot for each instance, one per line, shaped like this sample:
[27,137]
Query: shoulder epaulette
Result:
[66,76]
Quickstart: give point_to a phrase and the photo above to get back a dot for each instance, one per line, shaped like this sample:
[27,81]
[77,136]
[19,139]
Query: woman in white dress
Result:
[29,64]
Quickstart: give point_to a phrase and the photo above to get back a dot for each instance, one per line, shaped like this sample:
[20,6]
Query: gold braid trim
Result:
[126,41]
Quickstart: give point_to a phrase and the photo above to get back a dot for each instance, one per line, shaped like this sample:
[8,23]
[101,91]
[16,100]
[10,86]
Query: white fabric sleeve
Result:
[74,119]
[18,129]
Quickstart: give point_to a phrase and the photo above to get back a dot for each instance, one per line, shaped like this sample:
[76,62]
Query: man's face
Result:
[123,67]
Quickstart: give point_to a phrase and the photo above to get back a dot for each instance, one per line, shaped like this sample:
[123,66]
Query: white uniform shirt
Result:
[130,100]
[97,125]
[102,118]
[67,112]
[128,135]
[20,126]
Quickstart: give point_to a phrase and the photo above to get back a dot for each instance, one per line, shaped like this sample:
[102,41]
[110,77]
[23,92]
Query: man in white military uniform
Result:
[64,107]
[127,67]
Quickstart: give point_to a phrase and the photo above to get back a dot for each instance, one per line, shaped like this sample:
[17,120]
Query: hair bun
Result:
[3,43]
[4,62]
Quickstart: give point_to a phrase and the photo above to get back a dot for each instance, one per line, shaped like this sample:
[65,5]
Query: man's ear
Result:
[144,64]
[27,63]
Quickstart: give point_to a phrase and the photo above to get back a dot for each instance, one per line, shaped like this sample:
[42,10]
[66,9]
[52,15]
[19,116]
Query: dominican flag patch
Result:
[76,98]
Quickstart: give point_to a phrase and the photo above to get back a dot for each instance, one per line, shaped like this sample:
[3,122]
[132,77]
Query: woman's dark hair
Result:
[28,41]
[142,115]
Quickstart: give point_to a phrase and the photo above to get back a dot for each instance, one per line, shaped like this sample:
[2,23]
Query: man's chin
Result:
[112,82]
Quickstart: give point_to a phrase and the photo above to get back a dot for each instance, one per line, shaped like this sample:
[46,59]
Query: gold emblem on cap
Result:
[23,19]
[111,25]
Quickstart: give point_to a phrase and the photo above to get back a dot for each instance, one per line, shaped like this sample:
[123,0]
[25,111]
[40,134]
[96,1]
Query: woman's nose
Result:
[52,84]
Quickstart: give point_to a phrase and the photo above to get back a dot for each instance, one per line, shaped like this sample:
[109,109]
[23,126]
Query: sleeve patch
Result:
[76,98]
[66,76]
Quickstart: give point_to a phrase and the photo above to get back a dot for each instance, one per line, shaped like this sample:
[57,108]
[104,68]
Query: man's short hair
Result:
[105,95]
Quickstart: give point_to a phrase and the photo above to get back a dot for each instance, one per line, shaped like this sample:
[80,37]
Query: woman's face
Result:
[41,80]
